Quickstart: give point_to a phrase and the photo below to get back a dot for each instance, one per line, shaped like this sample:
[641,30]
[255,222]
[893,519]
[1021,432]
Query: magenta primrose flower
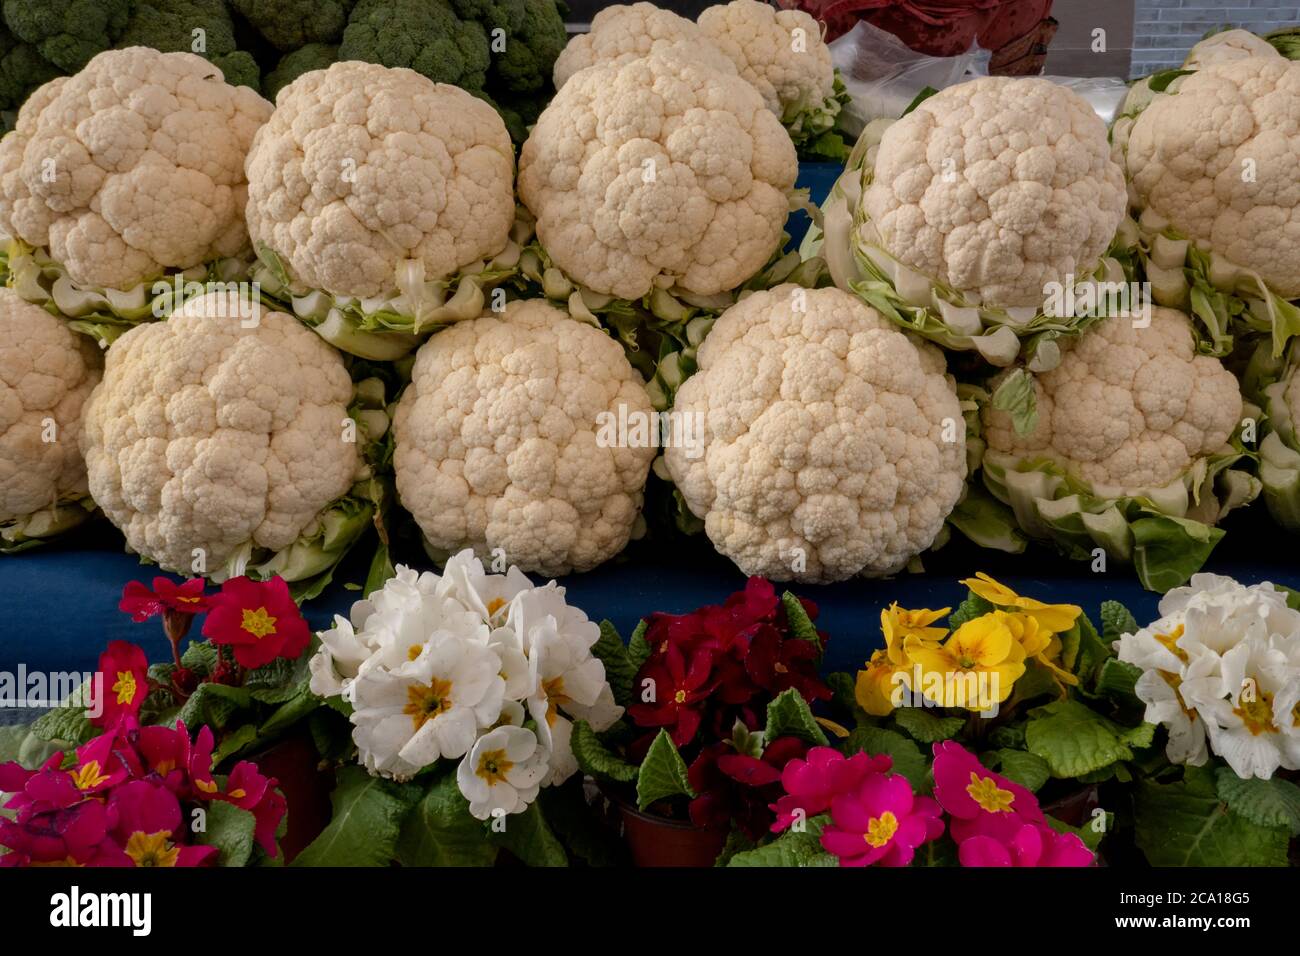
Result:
[812,783]
[994,821]
[881,821]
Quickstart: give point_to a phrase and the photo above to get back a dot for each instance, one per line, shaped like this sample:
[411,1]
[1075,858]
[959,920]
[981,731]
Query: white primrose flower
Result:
[1255,730]
[569,683]
[487,595]
[1220,663]
[407,717]
[503,771]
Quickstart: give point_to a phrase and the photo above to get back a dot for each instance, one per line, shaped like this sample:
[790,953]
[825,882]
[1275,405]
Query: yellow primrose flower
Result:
[1039,644]
[975,668]
[898,624]
[1051,617]
[875,685]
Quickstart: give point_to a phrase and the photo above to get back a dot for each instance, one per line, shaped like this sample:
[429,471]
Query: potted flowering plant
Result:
[244,688]
[461,691]
[717,704]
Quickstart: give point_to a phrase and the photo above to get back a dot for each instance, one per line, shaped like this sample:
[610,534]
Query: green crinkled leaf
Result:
[1091,838]
[620,671]
[1116,620]
[801,625]
[637,648]
[1015,395]
[230,830]
[200,656]
[844,701]
[940,852]
[595,759]
[368,817]
[528,836]
[1028,770]
[238,740]
[67,723]
[1074,739]
[20,743]
[1118,679]
[1167,551]
[1267,803]
[926,727]
[213,704]
[440,831]
[1008,736]
[290,712]
[788,715]
[974,606]
[908,758]
[1082,650]
[1185,824]
[662,773]
[790,849]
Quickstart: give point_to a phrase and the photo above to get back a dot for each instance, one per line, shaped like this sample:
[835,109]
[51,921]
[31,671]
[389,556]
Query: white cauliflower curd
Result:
[833,442]
[659,173]
[497,440]
[129,169]
[621,33]
[782,55]
[221,436]
[997,187]
[46,375]
[372,189]
[1217,163]
[1131,450]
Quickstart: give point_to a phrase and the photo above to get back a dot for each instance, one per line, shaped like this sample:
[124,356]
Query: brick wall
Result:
[1166,29]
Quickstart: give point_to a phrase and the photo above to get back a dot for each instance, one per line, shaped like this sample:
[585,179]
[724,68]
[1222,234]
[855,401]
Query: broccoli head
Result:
[171,26]
[533,36]
[313,56]
[22,69]
[290,24]
[68,32]
[425,35]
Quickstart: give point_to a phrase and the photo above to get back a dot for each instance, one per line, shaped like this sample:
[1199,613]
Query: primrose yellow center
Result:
[493,766]
[152,849]
[555,696]
[259,623]
[1170,643]
[881,829]
[413,651]
[1257,714]
[495,605]
[188,600]
[679,697]
[125,687]
[87,776]
[990,797]
[781,668]
[426,703]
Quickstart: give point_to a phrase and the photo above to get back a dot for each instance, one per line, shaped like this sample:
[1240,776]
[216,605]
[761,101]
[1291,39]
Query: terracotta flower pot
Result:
[294,762]
[659,841]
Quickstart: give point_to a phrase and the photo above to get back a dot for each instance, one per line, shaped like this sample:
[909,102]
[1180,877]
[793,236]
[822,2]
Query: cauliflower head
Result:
[661,172]
[147,154]
[46,374]
[363,168]
[1128,409]
[1228,45]
[780,53]
[498,440]
[997,187]
[221,429]
[622,33]
[833,441]
[1189,154]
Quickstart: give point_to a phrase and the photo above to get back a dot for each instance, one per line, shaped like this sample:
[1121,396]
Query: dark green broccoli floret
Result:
[239,69]
[68,32]
[22,69]
[424,35]
[290,24]
[524,53]
[313,56]
[170,25]
[519,113]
